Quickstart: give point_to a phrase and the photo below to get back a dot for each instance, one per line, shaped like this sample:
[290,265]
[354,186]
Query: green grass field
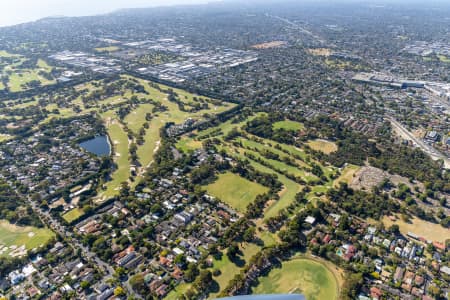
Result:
[152,139]
[186,144]
[290,188]
[136,119]
[30,237]
[264,145]
[227,126]
[186,97]
[42,64]
[119,141]
[288,125]
[62,113]
[178,291]
[304,276]
[294,150]
[21,77]
[236,191]
[287,194]
[269,238]
[283,167]
[72,215]
[318,193]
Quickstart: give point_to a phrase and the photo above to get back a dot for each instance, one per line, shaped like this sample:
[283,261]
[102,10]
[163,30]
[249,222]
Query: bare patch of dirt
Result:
[320,51]
[274,44]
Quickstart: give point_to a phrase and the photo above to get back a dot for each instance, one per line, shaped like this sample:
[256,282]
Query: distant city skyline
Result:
[14,12]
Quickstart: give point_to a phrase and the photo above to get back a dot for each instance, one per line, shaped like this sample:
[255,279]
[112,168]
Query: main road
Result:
[297,26]
[433,153]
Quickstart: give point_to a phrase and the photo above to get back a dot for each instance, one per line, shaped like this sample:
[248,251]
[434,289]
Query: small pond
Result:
[99,145]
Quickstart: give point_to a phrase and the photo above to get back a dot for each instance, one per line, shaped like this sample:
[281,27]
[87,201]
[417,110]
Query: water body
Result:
[99,145]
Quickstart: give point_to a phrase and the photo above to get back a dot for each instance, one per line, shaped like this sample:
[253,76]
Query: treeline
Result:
[353,149]
[262,126]
[9,264]
[112,87]
[362,204]
[194,90]
[413,163]
[50,128]
[42,89]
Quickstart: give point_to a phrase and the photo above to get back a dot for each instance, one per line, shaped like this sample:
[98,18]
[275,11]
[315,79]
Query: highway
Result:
[302,29]
[433,153]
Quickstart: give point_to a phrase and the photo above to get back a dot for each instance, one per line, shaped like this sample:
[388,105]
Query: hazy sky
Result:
[19,11]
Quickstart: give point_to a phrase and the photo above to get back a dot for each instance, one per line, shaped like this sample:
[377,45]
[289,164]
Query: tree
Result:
[445,222]
[120,271]
[36,197]
[85,285]
[88,209]
[395,229]
[180,259]
[119,291]
[204,280]
[233,250]
[44,204]
[137,282]
[352,286]
[434,290]
[202,174]
[249,234]
[191,272]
